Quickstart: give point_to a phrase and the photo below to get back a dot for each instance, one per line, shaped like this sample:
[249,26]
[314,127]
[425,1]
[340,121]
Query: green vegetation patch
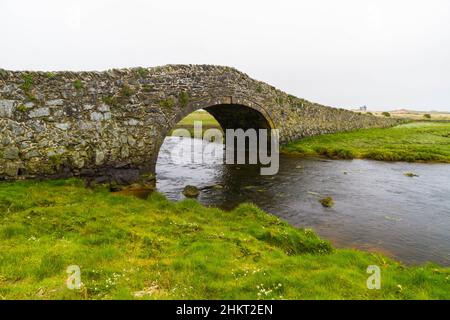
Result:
[413,142]
[130,248]
[50,75]
[167,103]
[28,82]
[183,99]
[78,84]
[142,72]
[27,86]
[109,100]
[126,91]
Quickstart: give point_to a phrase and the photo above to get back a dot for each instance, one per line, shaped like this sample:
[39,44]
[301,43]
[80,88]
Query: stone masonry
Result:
[108,126]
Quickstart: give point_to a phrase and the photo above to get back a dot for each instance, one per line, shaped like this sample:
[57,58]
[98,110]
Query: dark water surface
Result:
[376,208]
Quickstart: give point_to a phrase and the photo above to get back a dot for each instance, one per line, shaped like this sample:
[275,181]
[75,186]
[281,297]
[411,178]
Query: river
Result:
[377,208]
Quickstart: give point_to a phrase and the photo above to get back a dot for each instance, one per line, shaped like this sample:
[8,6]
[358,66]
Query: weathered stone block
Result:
[6,108]
[11,153]
[41,112]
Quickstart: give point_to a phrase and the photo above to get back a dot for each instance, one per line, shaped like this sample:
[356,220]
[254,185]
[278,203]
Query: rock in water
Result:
[411,175]
[191,191]
[327,202]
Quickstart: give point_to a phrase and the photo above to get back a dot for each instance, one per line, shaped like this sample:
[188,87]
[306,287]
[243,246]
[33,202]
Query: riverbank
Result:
[130,248]
[413,142]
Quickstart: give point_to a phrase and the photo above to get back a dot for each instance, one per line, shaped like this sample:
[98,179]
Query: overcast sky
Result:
[385,54]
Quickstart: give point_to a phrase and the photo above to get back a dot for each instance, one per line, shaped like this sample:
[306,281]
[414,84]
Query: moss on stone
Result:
[191,191]
[327,202]
[126,91]
[50,75]
[21,108]
[78,85]
[142,72]
[183,98]
[147,87]
[109,100]
[167,103]
[279,100]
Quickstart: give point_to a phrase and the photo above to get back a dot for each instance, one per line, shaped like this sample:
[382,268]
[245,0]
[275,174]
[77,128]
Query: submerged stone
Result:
[411,175]
[191,191]
[327,202]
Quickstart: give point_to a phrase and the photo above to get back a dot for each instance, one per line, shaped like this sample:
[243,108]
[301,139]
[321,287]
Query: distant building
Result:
[363,108]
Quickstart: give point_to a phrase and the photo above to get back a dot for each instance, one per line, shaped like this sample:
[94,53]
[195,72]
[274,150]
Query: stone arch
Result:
[230,112]
[210,105]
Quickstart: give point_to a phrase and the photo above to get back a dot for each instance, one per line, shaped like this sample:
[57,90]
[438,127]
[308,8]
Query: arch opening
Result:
[172,176]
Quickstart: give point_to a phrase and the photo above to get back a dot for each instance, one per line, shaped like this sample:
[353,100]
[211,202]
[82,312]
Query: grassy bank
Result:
[416,141]
[132,248]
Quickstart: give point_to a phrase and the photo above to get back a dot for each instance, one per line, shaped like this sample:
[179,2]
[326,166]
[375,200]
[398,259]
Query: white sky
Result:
[347,53]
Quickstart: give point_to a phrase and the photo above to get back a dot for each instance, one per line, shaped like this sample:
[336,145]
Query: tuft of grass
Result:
[50,75]
[386,114]
[109,100]
[28,81]
[183,99]
[78,84]
[126,91]
[158,249]
[412,142]
[142,72]
[167,103]
[27,85]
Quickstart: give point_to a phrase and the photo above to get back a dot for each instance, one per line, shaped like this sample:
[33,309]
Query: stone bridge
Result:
[109,126]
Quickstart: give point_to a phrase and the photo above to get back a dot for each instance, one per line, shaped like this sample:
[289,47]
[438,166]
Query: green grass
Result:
[206,118]
[208,122]
[128,248]
[78,84]
[416,141]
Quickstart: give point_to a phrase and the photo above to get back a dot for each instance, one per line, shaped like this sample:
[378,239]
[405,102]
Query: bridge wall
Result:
[109,125]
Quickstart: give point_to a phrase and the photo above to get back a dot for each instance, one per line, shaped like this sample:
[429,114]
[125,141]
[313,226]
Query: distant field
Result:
[208,121]
[415,115]
[199,115]
[416,141]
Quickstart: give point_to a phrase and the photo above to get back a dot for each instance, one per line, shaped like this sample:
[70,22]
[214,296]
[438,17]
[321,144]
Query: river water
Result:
[377,208]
